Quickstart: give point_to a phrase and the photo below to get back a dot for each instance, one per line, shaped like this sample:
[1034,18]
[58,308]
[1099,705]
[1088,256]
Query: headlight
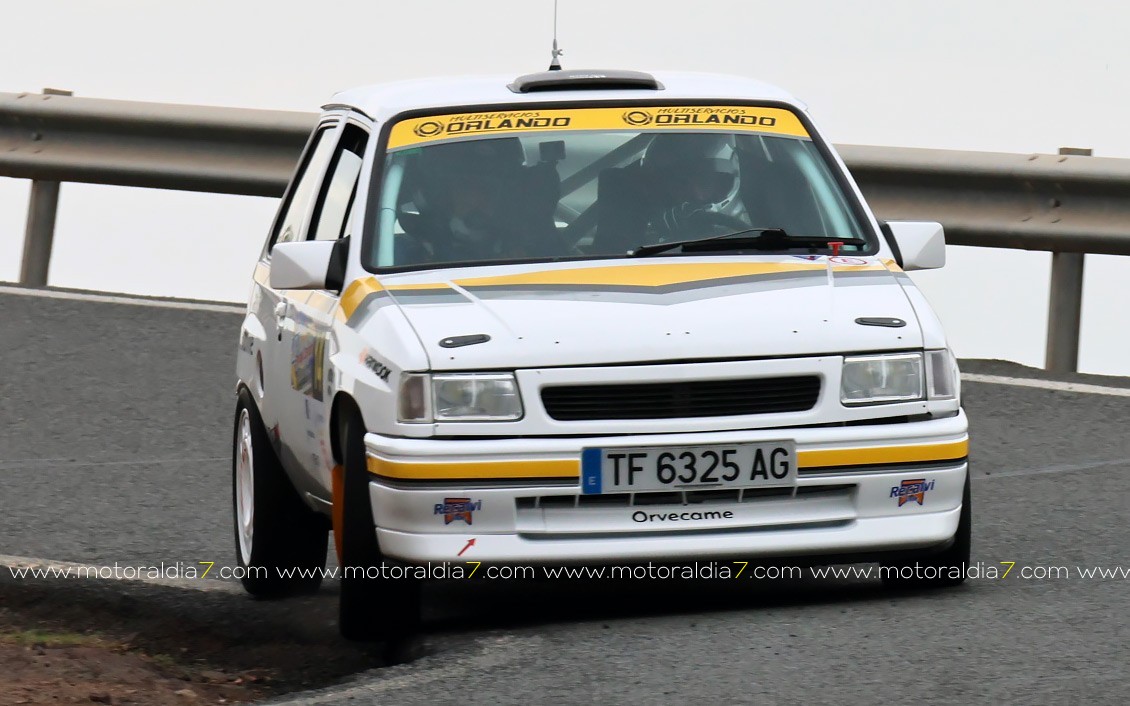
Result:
[459,397]
[943,380]
[479,397]
[879,379]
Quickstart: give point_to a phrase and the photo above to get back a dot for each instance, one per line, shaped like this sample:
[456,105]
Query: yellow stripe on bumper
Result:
[568,468]
[881,455]
[476,470]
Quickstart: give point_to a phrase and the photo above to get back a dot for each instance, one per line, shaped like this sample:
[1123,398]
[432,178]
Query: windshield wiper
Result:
[766,239]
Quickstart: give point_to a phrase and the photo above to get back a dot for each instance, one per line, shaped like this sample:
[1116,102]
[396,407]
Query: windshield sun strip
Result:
[772,121]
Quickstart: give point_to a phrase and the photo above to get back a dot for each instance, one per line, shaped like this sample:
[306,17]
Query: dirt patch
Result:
[108,673]
[115,642]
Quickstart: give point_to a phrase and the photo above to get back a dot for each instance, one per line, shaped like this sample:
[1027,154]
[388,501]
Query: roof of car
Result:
[385,100]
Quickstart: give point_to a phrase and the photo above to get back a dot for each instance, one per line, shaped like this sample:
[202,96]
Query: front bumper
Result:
[520,498]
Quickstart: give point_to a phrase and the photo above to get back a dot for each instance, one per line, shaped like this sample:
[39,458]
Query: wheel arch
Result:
[242,387]
[343,403]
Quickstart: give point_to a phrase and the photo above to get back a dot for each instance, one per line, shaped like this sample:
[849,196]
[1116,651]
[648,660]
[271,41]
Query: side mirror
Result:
[301,265]
[918,245]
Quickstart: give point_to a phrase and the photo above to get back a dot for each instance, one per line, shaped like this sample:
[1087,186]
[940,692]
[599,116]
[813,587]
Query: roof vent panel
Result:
[582,80]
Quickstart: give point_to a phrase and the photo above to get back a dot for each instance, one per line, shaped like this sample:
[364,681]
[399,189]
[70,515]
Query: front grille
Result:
[674,400]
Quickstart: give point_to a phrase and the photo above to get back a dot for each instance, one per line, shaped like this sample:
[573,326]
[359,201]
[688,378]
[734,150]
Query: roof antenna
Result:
[554,63]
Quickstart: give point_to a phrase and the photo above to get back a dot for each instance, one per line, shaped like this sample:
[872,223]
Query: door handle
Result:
[282,312]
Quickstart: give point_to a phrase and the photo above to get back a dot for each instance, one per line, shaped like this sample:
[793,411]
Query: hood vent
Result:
[460,341]
[886,321]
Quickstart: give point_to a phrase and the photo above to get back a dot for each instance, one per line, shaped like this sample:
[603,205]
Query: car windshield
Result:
[594,182]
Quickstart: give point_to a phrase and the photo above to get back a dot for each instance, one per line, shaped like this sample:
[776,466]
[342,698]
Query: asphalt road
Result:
[114,432]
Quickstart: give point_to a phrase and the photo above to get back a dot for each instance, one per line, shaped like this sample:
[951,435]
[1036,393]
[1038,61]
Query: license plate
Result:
[770,464]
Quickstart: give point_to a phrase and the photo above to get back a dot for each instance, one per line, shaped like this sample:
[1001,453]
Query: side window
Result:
[335,202]
[289,225]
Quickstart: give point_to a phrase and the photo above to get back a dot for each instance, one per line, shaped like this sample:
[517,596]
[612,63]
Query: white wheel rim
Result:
[244,487]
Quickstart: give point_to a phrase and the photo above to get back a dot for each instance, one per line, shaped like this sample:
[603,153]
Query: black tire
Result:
[285,535]
[372,607]
[943,569]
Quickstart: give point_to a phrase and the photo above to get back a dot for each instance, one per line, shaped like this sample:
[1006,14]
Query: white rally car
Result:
[587,317]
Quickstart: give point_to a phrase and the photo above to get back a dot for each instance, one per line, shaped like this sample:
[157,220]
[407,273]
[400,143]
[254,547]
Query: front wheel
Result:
[375,604]
[281,543]
[943,569]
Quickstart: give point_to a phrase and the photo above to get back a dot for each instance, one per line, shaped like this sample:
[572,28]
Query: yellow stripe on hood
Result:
[356,292]
[655,275]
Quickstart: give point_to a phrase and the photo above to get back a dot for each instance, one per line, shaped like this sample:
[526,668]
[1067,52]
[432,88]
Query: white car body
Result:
[515,486]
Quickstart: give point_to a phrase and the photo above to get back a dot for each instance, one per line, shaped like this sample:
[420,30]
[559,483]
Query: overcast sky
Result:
[1006,75]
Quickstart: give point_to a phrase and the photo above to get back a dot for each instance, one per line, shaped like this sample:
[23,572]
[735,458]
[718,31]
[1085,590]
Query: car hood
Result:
[666,309]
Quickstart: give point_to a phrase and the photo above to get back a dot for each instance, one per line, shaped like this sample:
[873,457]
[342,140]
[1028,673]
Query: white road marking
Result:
[237,309]
[120,299]
[74,571]
[1047,384]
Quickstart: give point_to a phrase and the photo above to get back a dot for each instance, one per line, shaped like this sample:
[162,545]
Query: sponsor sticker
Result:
[641,516]
[307,371]
[913,490]
[454,509]
[776,121]
[377,367]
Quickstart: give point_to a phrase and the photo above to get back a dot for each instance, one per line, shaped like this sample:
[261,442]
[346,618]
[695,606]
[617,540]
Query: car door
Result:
[280,405]
[308,317]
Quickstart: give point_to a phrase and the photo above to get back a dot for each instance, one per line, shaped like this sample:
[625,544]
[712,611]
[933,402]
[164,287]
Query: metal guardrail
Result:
[1068,204]
[163,146]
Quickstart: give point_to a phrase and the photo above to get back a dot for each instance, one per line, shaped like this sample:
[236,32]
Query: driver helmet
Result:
[463,183]
[694,167]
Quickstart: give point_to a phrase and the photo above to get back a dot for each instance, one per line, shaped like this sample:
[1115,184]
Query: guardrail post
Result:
[1064,305]
[1065,302]
[39,235]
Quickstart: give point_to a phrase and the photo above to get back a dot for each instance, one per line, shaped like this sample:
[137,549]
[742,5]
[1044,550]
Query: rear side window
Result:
[288,227]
